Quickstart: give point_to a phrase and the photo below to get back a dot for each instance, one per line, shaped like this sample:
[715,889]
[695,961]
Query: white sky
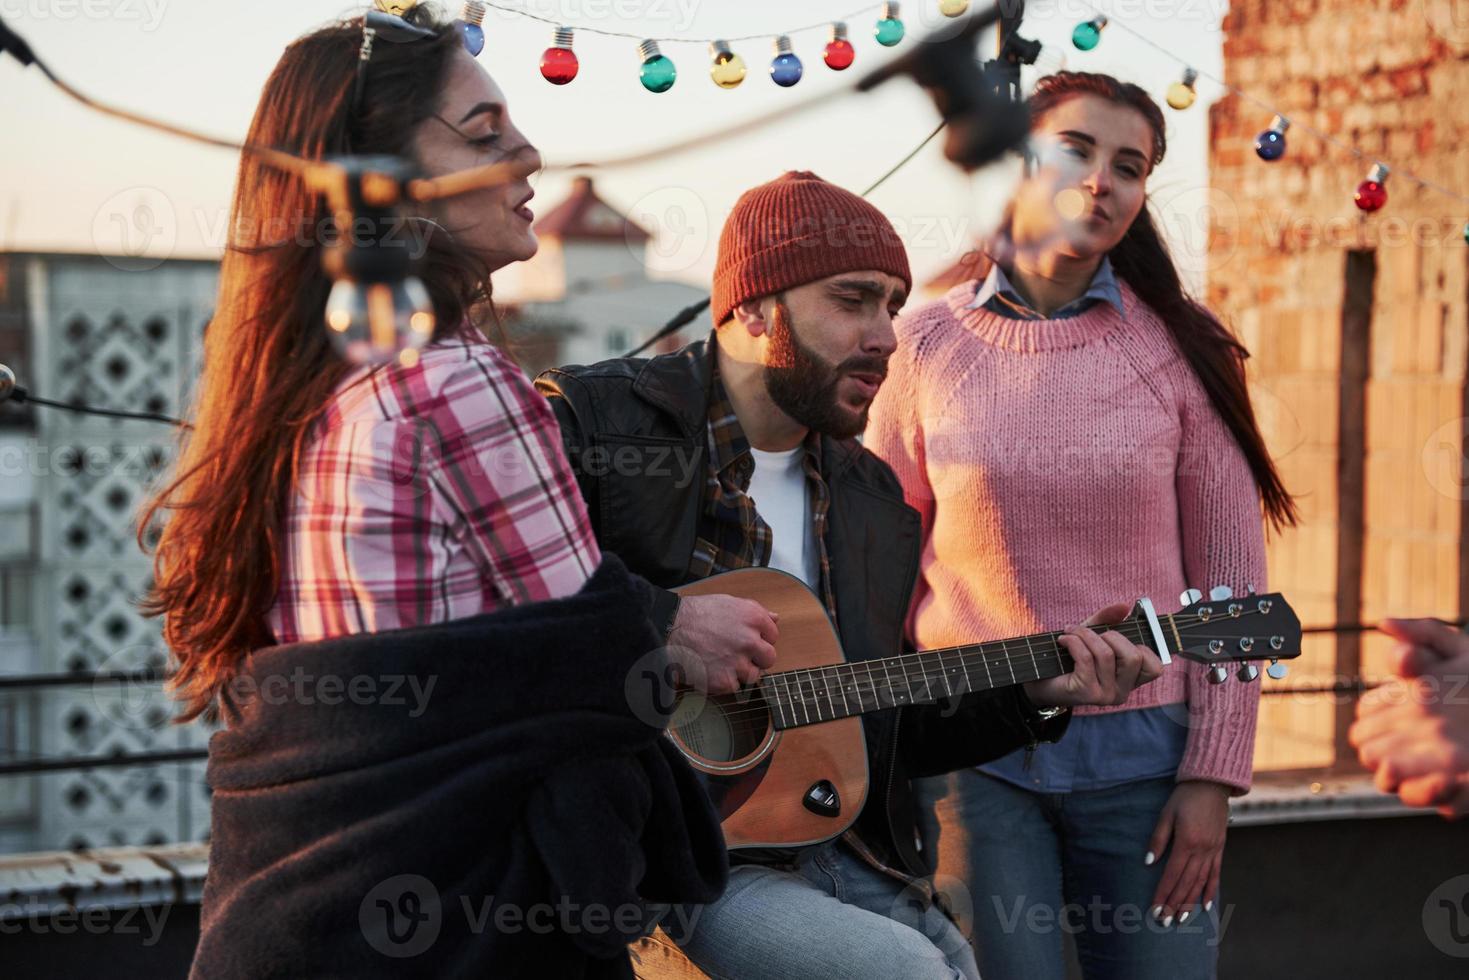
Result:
[71,180]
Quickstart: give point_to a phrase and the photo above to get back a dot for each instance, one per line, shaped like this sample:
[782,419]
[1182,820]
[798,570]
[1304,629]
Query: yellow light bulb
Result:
[1181,96]
[728,68]
[953,8]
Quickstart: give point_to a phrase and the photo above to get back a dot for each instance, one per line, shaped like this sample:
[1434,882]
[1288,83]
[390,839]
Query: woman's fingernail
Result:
[1157,912]
[1183,918]
[1209,905]
[1149,858]
[1168,922]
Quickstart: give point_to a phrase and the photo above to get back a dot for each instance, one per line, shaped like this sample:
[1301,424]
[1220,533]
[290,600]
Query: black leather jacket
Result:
[635,433]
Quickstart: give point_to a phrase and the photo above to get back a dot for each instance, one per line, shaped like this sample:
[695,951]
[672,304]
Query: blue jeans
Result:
[1034,866]
[831,915]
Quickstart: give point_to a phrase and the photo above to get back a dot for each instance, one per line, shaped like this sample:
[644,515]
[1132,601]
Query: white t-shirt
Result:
[778,487]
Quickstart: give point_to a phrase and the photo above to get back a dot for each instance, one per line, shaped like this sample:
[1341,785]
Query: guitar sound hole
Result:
[722,728]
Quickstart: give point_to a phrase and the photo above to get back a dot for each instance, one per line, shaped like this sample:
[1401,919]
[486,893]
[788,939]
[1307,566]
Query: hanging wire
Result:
[521,12]
[104,412]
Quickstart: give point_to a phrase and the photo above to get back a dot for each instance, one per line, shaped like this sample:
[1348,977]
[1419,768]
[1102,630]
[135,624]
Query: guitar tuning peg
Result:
[1276,670]
[1190,596]
[1218,674]
[1248,672]
[1221,592]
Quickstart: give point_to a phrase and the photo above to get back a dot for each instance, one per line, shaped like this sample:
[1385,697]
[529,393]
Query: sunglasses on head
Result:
[385,22]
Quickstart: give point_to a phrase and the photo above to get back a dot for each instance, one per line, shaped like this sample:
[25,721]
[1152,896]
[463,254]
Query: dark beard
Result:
[805,387]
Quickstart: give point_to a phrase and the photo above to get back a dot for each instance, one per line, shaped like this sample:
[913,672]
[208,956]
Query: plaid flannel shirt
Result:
[731,533]
[430,493]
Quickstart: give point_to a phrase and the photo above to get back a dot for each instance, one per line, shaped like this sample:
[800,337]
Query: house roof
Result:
[586,217]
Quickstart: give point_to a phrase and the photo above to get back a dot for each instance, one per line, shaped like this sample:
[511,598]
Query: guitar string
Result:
[810,698]
[967,657]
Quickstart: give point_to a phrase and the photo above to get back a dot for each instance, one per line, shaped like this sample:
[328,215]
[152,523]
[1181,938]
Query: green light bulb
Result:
[657,73]
[1087,35]
[889,27]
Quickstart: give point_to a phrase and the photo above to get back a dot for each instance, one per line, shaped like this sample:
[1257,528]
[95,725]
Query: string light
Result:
[889,29]
[376,322]
[1089,34]
[728,69]
[785,69]
[558,62]
[657,72]
[1270,145]
[471,25]
[1181,94]
[839,53]
[1372,193]
[1265,144]
[953,8]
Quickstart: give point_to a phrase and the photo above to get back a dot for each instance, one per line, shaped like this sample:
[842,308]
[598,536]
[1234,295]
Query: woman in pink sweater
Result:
[1075,430]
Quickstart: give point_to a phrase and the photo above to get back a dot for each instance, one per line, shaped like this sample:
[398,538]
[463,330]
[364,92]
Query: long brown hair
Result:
[1142,259]
[269,369]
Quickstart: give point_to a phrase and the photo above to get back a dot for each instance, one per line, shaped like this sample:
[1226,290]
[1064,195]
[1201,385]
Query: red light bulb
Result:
[1371,193]
[558,63]
[839,51]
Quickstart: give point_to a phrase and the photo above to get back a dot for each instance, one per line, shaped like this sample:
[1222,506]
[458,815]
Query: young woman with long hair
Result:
[336,536]
[315,499]
[1075,429]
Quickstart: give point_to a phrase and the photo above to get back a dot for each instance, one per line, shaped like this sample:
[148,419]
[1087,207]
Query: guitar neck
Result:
[818,694]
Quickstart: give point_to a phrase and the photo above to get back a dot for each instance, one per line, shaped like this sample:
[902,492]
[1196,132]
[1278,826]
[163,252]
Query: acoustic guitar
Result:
[784,760]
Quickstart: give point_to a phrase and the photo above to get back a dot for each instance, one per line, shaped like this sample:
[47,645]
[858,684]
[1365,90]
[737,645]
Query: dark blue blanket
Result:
[490,797]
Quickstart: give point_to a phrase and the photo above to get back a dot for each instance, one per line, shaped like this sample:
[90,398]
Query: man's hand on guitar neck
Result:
[1108,667]
[722,641]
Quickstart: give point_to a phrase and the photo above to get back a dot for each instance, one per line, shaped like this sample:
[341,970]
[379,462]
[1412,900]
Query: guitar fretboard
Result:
[817,694]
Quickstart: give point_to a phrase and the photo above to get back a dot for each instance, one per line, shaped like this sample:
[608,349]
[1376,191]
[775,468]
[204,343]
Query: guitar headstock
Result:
[1226,631]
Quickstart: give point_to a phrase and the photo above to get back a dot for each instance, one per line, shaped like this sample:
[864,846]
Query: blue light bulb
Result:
[1270,145]
[471,26]
[785,70]
[474,38]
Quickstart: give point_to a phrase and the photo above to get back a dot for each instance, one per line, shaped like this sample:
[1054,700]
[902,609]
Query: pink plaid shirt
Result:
[430,493]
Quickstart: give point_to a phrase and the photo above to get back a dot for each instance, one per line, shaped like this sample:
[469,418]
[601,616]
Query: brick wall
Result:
[1357,323]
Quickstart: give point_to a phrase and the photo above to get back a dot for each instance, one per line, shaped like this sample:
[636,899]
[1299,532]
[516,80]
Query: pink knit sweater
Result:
[1061,466]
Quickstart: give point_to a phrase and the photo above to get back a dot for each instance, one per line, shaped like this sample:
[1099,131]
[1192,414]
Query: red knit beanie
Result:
[797,229]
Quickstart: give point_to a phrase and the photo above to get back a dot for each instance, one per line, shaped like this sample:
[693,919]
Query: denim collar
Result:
[998,295]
